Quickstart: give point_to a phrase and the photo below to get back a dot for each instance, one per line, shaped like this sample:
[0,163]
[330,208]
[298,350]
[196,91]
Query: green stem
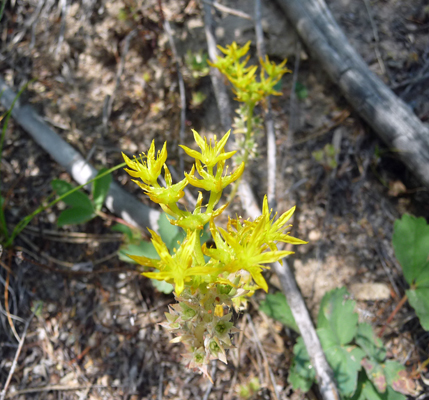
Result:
[198,251]
[26,220]
[249,132]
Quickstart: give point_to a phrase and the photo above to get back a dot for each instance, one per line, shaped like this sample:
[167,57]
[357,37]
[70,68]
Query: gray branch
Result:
[388,115]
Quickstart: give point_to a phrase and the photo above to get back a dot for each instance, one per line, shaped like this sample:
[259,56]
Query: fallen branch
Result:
[388,115]
[118,201]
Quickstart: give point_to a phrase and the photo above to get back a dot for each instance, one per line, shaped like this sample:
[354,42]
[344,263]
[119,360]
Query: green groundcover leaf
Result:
[345,361]
[419,300]
[337,315]
[276,307]
[411,243]
[75,215]
[100,189]
[370,343]
[301,374]
[162,286]
[75,199]
[398,379]
[367,391]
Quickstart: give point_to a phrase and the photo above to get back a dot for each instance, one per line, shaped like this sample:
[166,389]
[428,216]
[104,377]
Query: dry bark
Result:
[388,115]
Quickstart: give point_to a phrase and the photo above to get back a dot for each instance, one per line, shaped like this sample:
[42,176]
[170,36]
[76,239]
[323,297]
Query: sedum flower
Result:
[149,170]
[214,183]
[175,268]
[210,154]
[165,195]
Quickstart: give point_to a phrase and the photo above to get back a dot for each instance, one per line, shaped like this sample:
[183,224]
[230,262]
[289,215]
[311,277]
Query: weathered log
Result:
[118,201]
[388,115]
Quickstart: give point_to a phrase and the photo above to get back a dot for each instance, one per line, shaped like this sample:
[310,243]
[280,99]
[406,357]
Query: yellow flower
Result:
[165,195]
[214,183]
[250,254]
[149,170]
[176,268]
[273,231]
[210,154]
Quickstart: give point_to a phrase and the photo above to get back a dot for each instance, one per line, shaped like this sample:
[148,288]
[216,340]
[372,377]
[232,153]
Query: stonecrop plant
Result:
[209,281]
[248,88]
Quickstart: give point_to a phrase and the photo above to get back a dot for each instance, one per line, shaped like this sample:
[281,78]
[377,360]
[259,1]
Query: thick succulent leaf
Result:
[75,199]
[276,307]
[370,343]
[411,243]
[100,188]
[345,361]
[337,315]
[301,374]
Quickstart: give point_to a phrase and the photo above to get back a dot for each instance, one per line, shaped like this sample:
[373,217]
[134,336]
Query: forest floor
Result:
[96,335]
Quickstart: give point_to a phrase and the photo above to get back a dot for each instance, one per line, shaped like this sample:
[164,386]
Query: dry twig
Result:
[269,121]
[264,355]
[15,360]
[228,10]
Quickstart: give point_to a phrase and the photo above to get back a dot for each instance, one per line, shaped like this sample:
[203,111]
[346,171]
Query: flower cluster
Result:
[208,280]
[247,88]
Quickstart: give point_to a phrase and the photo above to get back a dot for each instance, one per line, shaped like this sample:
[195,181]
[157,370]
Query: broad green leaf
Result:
[123,229]
[370,343]
[276,307]
[141,248]
[75,199]
[345,361]
[367,391]
[162,286]
[301,374]
[301,91]
[375,373]
[167,231]
[100,188]
[398,379]
[419,300]
[337,315]
[74,215]
[411,243]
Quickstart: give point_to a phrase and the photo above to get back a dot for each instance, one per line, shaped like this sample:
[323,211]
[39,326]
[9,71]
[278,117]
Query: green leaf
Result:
[411,243]
[126,230]
[398,379]
[75,215]
[375,373]
[75,199]
[100,188]
[301,373]
[419,300]
[337,315]
[141,248]
[301,91]
[345,361]
[162,286]
[370,343]
[367,391]
[276,307]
